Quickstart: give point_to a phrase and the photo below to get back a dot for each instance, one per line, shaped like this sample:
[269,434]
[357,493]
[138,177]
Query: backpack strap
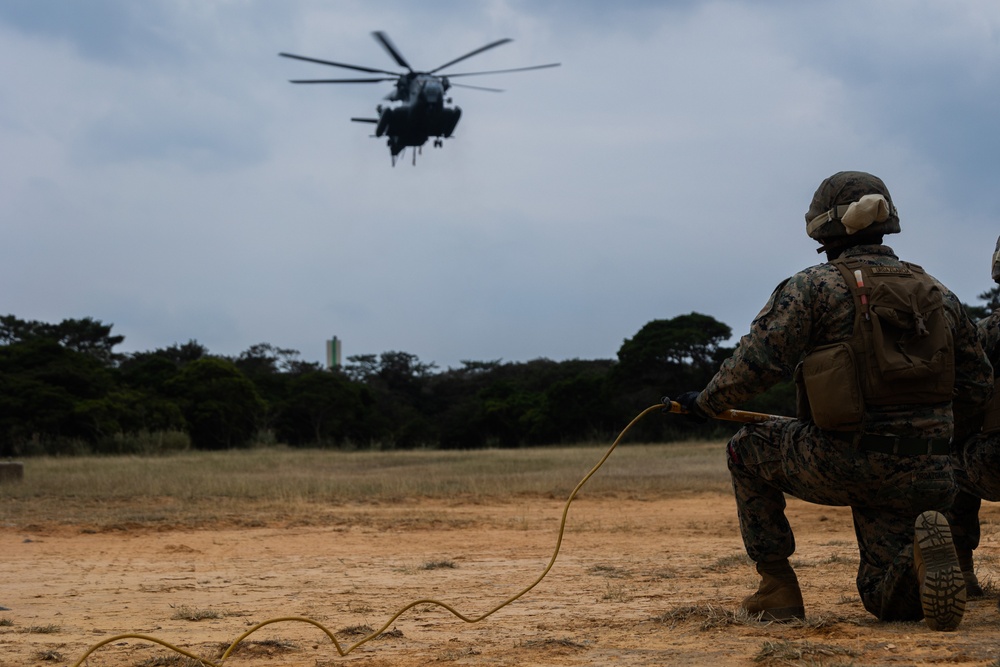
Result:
[852,271]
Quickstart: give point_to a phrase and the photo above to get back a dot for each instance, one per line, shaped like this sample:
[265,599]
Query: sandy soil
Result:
[636,583]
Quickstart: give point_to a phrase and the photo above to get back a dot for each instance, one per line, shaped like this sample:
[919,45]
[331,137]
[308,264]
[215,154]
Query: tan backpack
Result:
[901,351]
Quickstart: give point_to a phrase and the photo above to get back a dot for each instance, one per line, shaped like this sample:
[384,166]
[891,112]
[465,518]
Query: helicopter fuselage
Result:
[422,112]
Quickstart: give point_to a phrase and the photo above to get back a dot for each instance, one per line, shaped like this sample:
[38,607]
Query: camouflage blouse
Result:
[989,334]
[815,307]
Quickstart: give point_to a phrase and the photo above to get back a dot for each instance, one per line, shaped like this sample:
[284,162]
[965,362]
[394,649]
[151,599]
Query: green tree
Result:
[220,405]
[671,356]
[272,369]
[145,391]
[992,299]
[666,358]
[43,387]
[322,408]
[510,413]
[401,414]
[580,407]
[148,371]
[87,336]
[264,359]
[544,402]
[457,405]
[152,370]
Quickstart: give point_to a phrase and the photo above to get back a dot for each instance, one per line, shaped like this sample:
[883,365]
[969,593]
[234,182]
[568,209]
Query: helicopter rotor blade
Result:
[472,53]
[387,44]
[342,80]
[465,85]
[503,71]
[365,120]
[330,62]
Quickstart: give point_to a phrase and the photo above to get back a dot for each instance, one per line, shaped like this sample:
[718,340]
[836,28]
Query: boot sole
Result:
[942,592]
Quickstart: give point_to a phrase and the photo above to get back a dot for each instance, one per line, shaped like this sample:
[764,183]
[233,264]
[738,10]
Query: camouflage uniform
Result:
[977,459]
[885,492]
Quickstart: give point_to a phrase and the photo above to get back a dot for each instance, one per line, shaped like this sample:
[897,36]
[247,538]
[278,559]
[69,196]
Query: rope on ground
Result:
[344,651]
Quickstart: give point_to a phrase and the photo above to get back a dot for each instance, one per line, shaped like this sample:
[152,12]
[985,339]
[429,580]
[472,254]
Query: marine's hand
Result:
[689,401]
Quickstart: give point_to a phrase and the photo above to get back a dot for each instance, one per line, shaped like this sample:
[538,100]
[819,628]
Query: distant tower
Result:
[333,353]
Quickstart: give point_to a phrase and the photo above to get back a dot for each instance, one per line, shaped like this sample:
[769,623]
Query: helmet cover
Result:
[860,199]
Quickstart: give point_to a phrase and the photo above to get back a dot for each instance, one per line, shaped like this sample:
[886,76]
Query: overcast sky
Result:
[160,174]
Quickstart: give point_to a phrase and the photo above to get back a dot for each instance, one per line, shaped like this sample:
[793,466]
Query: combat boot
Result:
[778,598]
[942,586]
[972,587]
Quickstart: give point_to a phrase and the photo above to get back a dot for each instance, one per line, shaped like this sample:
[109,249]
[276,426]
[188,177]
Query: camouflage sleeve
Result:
[767,354]
[989,336]
[973,370]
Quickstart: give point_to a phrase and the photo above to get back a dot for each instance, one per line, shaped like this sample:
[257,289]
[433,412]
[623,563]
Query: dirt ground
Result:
[635,583]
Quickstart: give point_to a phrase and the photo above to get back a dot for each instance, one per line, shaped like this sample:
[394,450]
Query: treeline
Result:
[64,390]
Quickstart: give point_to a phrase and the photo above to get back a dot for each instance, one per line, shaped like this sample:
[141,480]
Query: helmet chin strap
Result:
[834,247]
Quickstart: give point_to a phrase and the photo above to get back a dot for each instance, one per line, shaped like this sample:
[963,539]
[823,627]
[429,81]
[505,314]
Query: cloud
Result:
[164,176]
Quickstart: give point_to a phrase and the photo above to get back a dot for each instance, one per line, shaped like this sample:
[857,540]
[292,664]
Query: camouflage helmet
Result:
[850,202]
[996,263]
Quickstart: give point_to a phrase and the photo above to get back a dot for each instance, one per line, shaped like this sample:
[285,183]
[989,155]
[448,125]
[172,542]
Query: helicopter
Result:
[422,111]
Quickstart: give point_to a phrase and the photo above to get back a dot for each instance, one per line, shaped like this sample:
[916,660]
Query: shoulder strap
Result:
[851,270]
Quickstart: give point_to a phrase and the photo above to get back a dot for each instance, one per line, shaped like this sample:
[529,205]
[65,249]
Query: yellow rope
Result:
[468,619]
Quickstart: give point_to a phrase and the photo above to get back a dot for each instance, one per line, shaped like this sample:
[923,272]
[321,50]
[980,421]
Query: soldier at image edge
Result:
[885,359]
[976,456]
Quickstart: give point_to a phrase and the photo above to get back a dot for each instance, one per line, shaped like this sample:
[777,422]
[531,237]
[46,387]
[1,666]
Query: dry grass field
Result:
[146,562]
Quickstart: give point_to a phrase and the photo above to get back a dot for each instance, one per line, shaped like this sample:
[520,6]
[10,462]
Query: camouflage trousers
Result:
[977,469]
[885,493]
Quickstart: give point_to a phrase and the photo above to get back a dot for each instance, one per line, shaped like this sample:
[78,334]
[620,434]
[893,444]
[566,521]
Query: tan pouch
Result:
[910,345]
[908,350]
[830,377]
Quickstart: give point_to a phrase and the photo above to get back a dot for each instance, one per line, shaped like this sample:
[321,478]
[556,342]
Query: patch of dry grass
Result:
[610,571]
[170,661]
[708,617]
[185,613]
[729,562]
[438,565]
[795,652]
[50,629]
[365,630]
[261,485]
